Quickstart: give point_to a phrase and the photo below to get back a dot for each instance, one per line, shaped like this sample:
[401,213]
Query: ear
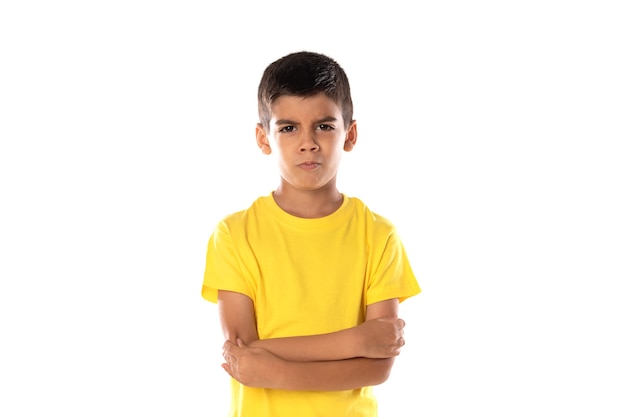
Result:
[261,140]
[351,135]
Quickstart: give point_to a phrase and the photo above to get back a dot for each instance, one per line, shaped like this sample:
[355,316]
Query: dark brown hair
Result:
[304,74]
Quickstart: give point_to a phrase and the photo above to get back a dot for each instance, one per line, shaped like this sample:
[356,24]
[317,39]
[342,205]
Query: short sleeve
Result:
[223,270]
[392,275]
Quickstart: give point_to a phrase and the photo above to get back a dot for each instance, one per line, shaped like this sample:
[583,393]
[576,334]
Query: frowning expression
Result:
[307,135]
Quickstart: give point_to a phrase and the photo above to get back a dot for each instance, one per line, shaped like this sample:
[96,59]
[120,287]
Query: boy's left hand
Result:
[251,366]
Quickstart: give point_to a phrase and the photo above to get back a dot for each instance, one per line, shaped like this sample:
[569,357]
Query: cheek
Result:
[338,148]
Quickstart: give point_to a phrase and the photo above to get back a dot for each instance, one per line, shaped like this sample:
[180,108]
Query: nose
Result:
[309,143]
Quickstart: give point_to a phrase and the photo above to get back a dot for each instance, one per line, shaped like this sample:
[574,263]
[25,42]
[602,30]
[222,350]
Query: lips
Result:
[309,165]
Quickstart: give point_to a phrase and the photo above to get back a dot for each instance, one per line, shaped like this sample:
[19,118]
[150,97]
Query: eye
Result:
[325,127]
[286,129]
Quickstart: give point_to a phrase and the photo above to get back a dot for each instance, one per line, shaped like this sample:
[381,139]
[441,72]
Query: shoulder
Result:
[371,219]
[237,222]
[361,208]
[256,208]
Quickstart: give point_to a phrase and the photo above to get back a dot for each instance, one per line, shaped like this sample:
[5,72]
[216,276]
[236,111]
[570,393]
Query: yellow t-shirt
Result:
[305,277]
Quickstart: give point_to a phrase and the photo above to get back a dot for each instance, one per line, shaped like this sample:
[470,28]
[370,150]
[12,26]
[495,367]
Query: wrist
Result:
[282,372]
[355,342]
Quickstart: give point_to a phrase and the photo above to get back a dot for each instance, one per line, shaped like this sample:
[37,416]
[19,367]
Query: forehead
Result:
[295,108]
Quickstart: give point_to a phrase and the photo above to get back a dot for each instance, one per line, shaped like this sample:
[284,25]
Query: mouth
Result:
[309,165]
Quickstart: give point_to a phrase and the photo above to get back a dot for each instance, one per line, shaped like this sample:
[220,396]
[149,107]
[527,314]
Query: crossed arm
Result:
[346,359]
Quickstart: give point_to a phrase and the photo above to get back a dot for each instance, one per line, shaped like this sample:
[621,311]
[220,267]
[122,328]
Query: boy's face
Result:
[308,138]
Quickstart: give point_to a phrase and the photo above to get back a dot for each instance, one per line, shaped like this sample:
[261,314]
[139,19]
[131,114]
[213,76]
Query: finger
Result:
[390,319]
[230,347]
[226,352]
[226,367]
[240,343]
[401,323]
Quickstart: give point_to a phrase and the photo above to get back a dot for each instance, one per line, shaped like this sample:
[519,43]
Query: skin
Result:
[307,136]
[305,130]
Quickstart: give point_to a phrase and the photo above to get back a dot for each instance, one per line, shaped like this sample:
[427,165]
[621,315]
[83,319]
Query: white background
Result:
[490,132]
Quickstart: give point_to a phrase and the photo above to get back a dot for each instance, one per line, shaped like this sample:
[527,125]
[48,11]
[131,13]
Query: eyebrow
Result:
[290,122]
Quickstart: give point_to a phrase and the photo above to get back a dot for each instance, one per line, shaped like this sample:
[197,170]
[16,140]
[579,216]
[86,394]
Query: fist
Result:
[382,337]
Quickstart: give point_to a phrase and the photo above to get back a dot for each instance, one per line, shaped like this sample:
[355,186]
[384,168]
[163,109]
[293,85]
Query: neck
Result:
[308,204]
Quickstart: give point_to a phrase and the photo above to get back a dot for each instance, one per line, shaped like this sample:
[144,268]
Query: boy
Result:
[307,280]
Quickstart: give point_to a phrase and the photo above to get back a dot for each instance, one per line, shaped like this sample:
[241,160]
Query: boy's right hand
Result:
[381,337]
